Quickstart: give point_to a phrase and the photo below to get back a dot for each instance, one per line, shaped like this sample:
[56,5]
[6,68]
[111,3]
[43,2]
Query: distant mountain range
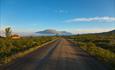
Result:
[53,32]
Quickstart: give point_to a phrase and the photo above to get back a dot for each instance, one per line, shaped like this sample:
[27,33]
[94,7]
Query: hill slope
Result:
[53,32]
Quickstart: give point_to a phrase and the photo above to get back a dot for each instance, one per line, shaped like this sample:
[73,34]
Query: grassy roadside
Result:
[101,46]
[103,55]
[17,54]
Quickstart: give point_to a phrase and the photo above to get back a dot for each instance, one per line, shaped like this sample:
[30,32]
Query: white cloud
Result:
[93,19]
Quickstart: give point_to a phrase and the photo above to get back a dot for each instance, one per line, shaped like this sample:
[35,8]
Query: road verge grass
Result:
[8,59]
[103,55]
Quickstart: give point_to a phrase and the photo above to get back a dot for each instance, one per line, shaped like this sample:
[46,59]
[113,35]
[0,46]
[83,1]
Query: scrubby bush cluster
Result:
[9,47]
[103,41]
[102,54]
[100,46]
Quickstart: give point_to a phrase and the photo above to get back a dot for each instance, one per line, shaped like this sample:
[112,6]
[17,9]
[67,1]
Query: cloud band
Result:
[94,19]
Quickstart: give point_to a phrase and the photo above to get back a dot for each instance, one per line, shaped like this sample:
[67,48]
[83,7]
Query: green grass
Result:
[11,49]
[104,55]
[100,46]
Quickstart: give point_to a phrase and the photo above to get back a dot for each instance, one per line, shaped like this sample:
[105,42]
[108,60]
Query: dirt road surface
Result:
[59,55]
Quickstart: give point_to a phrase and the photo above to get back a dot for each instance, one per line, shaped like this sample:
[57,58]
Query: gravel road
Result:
[58,55]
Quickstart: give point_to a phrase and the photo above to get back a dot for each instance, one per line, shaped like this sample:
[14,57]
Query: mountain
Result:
[53,32]
[113,31]
[109,32]
[48,31]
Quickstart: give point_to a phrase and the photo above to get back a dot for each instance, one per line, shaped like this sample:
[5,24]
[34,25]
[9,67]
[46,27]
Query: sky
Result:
[76,16]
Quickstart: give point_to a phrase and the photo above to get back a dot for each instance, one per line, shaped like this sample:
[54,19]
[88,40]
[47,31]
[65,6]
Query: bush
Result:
[104,55]
[100,46]
[10,47]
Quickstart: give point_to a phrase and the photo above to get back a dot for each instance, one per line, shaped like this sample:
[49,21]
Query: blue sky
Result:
[72,15]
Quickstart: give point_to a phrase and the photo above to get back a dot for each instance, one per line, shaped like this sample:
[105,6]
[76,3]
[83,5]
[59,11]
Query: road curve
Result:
[59,55]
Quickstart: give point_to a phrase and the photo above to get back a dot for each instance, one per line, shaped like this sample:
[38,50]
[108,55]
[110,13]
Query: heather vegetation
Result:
[12,48]
[102,46]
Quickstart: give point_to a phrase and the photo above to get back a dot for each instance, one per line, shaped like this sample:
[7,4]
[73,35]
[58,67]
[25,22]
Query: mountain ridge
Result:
[54,32]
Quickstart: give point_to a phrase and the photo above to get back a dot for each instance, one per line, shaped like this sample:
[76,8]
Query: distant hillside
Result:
[108,33]
[113,31]
[53,32]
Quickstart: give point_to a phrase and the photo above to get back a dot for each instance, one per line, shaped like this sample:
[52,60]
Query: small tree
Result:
[8,32]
